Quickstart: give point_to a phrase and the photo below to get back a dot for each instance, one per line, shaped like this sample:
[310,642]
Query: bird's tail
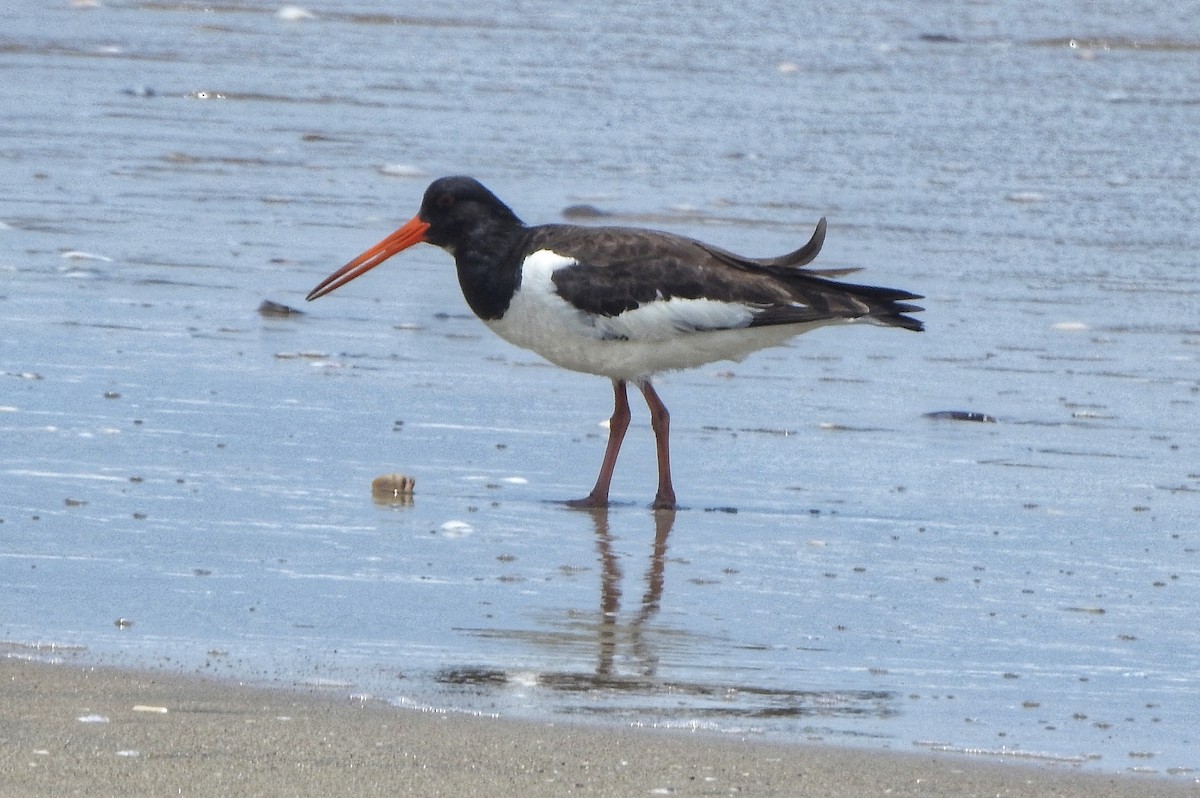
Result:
[816,298]
[887,305]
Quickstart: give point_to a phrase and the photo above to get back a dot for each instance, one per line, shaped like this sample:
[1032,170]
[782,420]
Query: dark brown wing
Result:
[619,269]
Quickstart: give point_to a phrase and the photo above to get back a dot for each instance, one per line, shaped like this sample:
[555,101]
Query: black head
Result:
[460,209]
[457,214]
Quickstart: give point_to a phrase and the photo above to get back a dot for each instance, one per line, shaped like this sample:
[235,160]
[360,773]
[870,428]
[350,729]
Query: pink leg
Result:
[660,422]
[616,433]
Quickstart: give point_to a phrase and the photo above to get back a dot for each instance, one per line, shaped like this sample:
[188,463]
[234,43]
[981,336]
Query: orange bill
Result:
[413,232]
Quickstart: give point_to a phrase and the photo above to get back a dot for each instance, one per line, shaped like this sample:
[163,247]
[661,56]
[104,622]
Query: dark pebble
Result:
[269,308]
[961,415]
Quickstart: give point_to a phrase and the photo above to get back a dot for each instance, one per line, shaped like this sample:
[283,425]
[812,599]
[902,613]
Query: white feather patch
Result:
[663,319]
[538,270]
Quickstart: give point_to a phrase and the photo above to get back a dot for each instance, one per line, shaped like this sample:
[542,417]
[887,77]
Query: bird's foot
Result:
[594,502]
[589,502]
[664,502]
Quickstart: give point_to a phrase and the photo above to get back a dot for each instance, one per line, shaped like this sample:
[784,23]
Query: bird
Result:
[626,303]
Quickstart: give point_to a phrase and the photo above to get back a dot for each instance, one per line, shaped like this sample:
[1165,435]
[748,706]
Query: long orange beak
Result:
[413,232]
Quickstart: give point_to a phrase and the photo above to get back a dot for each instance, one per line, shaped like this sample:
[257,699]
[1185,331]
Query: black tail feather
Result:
[816,299]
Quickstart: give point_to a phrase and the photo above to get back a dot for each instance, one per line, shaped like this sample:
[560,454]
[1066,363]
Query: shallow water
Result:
[186,482]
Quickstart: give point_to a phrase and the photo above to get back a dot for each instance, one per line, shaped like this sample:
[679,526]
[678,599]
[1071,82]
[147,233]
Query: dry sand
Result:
[66,729]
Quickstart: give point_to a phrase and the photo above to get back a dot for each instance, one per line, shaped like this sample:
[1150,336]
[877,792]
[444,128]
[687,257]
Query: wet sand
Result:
[68,729]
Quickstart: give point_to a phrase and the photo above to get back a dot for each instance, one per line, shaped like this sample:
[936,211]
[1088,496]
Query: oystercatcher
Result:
[625,303]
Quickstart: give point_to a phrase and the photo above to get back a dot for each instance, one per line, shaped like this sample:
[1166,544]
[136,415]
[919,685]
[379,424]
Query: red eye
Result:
[445,200]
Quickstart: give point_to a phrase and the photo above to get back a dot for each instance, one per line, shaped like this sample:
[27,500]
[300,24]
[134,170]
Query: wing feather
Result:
[674,281]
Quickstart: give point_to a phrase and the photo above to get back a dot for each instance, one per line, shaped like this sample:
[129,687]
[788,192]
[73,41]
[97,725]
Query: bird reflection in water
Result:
[621,676]
[610,594]
[606,634]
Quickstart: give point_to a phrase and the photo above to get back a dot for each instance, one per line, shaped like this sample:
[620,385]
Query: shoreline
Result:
[72,728]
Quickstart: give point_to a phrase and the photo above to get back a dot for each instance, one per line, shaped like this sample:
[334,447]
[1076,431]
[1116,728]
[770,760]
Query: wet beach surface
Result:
[862,556]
